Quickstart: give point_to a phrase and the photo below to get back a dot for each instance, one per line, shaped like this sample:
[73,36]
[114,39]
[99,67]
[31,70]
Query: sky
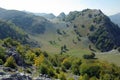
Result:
[109,7]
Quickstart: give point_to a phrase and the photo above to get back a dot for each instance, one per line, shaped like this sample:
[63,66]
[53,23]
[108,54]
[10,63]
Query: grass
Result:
[78,52]
[112,58]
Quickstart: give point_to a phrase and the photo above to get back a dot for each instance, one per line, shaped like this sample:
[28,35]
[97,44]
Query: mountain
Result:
[84,30]
[45,15]
[28,22]
[61,16]
[8,29]
[115,18]
[100,30]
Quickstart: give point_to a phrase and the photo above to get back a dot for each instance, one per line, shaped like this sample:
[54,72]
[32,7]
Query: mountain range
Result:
[115,18]
[88,30]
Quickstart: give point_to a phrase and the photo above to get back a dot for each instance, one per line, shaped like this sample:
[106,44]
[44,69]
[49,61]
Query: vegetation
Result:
[59,66]
[8,29]
[28,22]
[10,62]
[75,36]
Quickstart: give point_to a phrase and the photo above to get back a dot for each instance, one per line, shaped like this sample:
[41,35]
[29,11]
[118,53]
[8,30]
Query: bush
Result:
[51,72]
[10,62]
[62,76]
[8,42]
[1,62]
[92,28]
[66,63]
[85,77]
[89,56]
[75,69]
[90,69]
[2,53]
[30,56]
[75,66]
[43,69]
[71,78]
[93,78]
[63,68]
[57,70]
[39,60]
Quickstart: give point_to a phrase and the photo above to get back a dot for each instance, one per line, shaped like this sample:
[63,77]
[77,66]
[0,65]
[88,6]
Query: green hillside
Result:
[8,29]
[29,22]
[80,30]
[97,26]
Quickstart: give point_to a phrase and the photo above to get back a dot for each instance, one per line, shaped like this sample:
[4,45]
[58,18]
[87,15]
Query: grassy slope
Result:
[51,35]
[74,49]
[112,57]
[77,50]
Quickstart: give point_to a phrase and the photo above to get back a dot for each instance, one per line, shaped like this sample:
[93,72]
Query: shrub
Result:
[90,69]
[62,76]
[66,63]
[10,62]
[63,68]
[2,53]
[75,66]
[75,69]
[8,42]
[45,54]
[43,69]
[57,70]
[1,62]
[92,28]
[30,56]
[21,50]
[89,56]
[51,72]
[93,78]
[38,60]
[71,78]
[85,77]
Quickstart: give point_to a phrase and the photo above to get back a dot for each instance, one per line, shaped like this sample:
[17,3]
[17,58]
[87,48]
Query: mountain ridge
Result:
[79,27]
[115,18]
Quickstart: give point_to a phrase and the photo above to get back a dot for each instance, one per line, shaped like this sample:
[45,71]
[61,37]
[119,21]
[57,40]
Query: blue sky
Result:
[109,7]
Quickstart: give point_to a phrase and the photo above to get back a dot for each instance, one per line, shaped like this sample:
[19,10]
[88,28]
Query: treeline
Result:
[55,66]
